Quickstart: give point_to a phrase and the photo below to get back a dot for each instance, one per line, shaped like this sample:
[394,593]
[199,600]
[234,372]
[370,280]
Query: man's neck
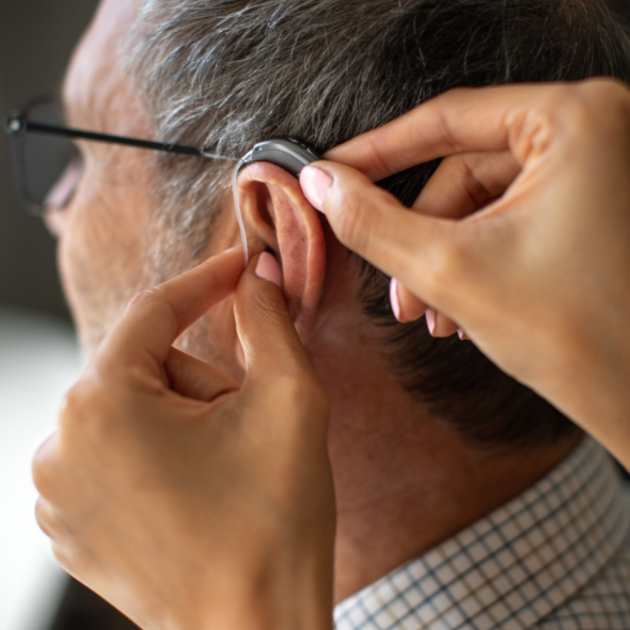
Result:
[403,481]
[400,512]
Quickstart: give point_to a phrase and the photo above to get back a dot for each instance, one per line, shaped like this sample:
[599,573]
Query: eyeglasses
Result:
[48,164]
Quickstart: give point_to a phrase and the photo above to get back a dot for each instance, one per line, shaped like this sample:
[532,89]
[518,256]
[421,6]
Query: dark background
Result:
[36,40]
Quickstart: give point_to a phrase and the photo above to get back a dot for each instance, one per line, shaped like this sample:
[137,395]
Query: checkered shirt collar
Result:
[511,568]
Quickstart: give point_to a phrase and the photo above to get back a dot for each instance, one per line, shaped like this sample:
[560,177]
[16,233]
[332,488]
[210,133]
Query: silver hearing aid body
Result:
[287,153]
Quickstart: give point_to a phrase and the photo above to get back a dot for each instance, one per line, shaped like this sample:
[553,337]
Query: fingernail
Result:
[315,185]
[461,333]
[394,298]
[431,318]
[269,269]
[233,249]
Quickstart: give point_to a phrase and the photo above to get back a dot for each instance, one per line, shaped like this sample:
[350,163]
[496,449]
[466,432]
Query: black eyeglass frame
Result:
[18,125]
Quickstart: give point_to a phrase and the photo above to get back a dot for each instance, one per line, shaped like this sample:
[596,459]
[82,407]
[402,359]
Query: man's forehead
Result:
[94,83]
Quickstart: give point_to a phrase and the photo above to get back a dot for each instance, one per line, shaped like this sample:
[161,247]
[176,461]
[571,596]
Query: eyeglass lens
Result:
[52,164]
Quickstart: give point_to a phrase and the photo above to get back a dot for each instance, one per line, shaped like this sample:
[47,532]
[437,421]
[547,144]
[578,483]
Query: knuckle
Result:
[79,399]
[443,126]
[585,108]
[213,279]
[358,219]
[155,298]
[64,557]
[144,296]
[382,164]
[607,91]
[446,269]
[588,113]
[612,102]
[347,220]
[42,516]
[574,106]
[91,412]
[43,468]
[563,111]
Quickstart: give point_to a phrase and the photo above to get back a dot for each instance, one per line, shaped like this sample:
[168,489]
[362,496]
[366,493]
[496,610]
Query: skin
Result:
[199,459]
[402,481]
[537,176]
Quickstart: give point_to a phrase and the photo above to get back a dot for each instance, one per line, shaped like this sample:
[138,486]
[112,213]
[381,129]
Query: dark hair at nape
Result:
[518,41]
[227,73]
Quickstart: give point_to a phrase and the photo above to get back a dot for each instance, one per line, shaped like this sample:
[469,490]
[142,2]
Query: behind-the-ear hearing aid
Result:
[287,153]
[291,155]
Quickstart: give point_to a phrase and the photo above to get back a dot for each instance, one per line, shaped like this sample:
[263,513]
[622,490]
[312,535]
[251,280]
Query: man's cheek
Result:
[91,285]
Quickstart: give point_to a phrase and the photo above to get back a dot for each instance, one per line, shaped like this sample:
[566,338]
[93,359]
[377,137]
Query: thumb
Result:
[270,342]
[374,224]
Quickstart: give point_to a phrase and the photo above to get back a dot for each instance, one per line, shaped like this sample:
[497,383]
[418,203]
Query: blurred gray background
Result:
[36,40]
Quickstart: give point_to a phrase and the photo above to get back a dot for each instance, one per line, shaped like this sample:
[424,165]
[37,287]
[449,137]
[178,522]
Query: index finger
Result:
[461,120]
[156,317]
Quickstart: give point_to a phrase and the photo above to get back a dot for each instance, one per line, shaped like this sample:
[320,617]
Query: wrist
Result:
[593,389]
[287,598]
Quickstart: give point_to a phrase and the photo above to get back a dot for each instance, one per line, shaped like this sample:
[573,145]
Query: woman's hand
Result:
[184,499]
[522,236]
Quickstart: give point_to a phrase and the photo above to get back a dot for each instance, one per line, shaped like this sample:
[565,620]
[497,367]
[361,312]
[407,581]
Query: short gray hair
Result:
[223,74]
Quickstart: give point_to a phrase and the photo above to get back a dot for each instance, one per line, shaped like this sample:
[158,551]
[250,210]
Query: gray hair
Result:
[223,74]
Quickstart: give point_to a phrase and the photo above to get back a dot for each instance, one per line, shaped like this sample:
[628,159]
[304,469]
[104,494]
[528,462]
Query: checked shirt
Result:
[557,557]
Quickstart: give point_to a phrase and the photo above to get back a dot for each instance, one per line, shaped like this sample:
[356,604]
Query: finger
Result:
[154,319]
[445,327]
[458,121]
[439,325]
[411,308]
[374,224]
[44,467]
[462,334]
[48,520]
[406,306]
[270,342]
[192,378]
[463,184]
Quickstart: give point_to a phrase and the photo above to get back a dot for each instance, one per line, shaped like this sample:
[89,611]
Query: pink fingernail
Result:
[233,249]
[431,318]
[269,269]
[315,185]
[394,298]
[461,333]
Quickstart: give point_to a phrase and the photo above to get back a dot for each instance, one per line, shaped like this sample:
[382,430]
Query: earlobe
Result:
[279,218]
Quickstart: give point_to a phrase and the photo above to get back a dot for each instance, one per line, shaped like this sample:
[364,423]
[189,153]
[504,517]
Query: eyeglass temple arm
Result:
[17,125]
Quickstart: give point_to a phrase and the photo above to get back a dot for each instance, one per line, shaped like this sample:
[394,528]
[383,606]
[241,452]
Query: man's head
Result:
[224,74]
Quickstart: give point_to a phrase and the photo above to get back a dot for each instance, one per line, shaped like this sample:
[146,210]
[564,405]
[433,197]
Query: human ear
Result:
[279,218]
